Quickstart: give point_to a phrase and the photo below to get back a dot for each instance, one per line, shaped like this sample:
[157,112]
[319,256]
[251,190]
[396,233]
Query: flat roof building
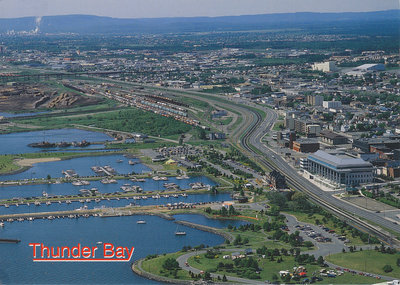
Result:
[332,138]
[341,169]
[306,145]
[328,66]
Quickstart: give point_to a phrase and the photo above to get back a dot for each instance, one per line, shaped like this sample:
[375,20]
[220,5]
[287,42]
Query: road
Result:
[184,258]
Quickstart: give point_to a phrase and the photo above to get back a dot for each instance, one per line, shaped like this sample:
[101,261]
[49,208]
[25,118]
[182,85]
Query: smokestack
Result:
[38,20]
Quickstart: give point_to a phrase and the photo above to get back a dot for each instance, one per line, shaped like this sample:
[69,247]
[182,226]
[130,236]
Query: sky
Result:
[184,8]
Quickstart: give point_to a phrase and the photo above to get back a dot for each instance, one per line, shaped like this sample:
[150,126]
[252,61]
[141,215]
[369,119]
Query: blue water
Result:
[157,236]
[7,192]
[122,202]
[203,220]
[11,115]
[81,165]
[15,143]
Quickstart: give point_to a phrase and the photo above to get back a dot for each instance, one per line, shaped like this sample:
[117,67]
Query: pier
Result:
[3,240]
[153,210]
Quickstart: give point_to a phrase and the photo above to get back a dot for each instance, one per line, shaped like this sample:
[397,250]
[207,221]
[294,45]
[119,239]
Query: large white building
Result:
[366,68]
[328,66]
[340,169]
[332,104]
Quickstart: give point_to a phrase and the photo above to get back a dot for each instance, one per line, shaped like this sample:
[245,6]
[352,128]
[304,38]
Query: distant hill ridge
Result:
[86,24]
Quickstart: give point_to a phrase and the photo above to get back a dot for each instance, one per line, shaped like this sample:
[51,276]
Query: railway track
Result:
[348,217]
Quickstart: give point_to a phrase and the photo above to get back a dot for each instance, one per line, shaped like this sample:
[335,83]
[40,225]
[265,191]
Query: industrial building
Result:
[341,169]
[315,100]
[332,104]
[366,68]
[365,144]
[328,66]
[332,138]
[305,146]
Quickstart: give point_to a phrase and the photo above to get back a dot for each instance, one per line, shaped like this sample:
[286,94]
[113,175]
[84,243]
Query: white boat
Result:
[141,222]
[179,233]
[182,177]
[99,242]
[1,224]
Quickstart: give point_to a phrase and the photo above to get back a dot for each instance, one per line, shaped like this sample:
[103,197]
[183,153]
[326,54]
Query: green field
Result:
[368,260]
[128,120]
[154,266]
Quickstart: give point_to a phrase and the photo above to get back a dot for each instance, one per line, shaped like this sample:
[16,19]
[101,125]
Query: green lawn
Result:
[7,164]
[368,260]
[277,126]
[224,121]
[154,266]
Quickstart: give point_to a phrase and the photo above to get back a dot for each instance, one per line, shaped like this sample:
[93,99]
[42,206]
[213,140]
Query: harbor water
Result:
[82,166]
[15,143]
[155,237]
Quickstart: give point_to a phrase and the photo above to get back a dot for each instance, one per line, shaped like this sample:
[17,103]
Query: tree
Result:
[202,134]
[398,262]
[224,278]
[320,261]
[308,244]
[387,268]
[238,240]
[207,276]
[48,177]
[170,264]
[274,277]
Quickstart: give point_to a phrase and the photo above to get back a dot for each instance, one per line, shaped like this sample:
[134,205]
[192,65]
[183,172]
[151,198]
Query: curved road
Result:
[184,258]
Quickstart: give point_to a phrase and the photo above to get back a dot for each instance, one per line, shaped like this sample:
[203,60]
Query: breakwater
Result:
[216,231]
[137,268]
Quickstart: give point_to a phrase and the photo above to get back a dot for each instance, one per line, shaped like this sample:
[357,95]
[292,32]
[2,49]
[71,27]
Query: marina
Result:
[70,203]
[112,185]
